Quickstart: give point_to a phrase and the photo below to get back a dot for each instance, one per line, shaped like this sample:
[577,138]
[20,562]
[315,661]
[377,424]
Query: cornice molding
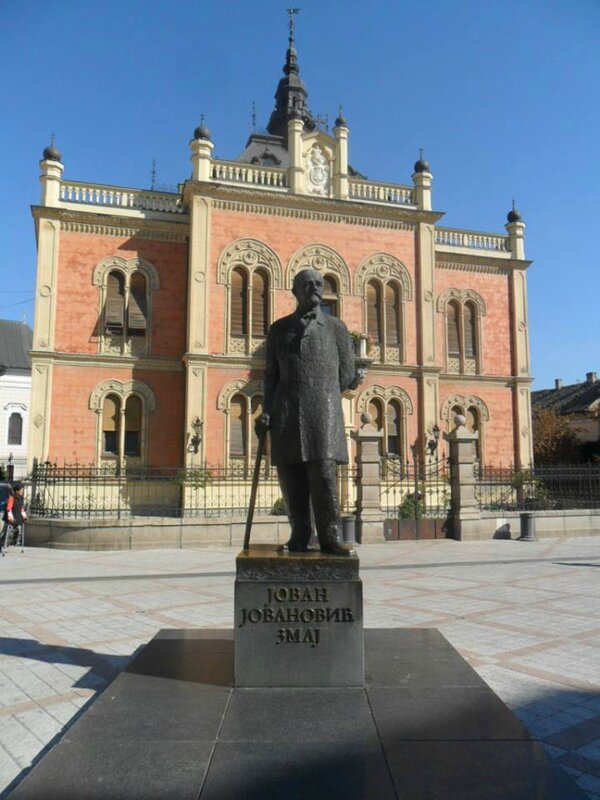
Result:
[298,206]
[103,361]
[105,224]
[483,380]
[485,269]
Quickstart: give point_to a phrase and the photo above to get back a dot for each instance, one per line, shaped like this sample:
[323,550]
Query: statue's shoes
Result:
[292,547]
[337,549]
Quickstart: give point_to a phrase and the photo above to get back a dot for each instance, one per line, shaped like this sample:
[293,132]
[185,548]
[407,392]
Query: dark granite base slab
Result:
[426,727]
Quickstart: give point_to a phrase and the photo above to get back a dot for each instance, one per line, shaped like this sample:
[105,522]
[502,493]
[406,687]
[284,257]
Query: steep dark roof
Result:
[576,397]
[16,339]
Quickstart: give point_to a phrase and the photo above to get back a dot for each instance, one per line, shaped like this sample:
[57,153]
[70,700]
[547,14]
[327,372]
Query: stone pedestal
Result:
[298,619]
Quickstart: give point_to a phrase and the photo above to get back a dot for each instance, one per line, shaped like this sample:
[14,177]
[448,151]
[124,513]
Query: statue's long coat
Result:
[307,369]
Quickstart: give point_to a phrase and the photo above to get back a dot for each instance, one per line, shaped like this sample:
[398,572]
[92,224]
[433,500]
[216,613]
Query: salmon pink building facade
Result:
[152,308]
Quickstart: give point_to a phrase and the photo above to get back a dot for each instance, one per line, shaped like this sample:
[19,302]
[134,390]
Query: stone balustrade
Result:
[117,197]
[394,194]
[472,240]
[256,175]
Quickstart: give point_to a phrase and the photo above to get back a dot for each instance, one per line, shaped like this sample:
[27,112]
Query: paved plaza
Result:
[526,615]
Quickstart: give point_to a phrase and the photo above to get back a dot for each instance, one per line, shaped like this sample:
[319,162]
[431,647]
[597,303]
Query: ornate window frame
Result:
[464,402]
[123,390]
[249,389]
[325,260]
[123,344]
[463,365]
[385,268]
[250,255]
[386,394]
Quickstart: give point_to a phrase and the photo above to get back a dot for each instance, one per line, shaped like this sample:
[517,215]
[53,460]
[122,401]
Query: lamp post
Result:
[196,439]
[414,449]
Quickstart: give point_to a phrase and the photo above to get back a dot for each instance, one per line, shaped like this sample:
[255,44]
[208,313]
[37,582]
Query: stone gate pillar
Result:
[465,508]
[368,501]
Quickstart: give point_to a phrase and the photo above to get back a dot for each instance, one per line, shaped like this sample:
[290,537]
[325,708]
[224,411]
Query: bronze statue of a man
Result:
[309,363]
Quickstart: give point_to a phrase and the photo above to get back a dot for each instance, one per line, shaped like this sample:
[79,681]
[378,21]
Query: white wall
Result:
[15,391]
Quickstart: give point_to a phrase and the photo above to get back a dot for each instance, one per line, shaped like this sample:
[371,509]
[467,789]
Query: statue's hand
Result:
[361,374]
[262,424]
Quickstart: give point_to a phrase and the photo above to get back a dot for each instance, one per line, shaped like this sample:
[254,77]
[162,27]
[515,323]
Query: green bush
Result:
[278,509]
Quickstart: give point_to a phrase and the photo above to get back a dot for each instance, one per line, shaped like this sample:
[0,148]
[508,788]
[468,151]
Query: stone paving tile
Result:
[513,621]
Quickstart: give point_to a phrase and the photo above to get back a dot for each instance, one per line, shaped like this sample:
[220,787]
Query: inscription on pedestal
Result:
[303,631]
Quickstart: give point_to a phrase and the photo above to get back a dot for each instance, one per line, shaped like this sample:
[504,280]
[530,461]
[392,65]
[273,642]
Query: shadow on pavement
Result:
[102,669]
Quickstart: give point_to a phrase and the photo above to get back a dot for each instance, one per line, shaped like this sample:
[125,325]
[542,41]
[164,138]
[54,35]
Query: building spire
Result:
[291,94]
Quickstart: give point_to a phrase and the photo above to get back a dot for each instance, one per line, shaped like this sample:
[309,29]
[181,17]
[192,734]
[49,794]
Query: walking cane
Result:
[23,536]
[255,477]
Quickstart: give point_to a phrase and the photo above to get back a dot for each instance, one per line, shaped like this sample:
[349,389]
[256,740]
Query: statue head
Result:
[308,289]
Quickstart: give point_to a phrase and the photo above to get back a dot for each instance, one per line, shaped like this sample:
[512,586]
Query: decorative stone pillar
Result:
[368,501]
[340,177]
[201,148]
[50,179]
[519,328]
[516,233]
[296,167]
[422,178]
[462,476]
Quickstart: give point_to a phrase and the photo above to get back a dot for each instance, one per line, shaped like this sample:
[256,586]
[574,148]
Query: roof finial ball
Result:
[52,153]
[341,121]
[202,131]
[514,215]
[421,165]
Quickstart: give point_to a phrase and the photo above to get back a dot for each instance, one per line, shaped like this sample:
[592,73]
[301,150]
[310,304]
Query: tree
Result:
[554,440]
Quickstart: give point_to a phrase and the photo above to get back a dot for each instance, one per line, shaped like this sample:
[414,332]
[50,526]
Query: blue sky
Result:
[503,97]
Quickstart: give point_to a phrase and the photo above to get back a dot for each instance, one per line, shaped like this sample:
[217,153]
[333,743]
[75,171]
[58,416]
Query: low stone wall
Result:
[144,533]
[548,525]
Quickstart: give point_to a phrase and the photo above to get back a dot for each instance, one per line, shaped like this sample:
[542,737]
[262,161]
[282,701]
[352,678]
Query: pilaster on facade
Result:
[40,411]
[198,305]
[195,409]
[48,235]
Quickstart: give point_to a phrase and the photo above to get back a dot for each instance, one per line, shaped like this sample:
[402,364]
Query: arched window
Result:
[470,334]
[330,296]
[237,428]
[15,429]
[394,428]
[122,432]
[475,417]
[463,311]
[260,303]
[392,314]
[126,288]
[452,328]
[137,310]
[248,307]
[374,327]
[114,309]
[243,441]
[239,302]
[133,426]
[111,419]
[472,424]
[384,318]
[387,417]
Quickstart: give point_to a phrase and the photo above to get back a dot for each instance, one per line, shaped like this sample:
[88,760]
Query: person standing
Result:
[309,364]
[14,514]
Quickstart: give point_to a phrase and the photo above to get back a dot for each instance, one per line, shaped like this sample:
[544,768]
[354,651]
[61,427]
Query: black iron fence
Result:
[416,490]
[569,486]
[76,491]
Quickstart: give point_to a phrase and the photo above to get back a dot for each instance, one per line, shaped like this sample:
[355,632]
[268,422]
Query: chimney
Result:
[591,377]
[558,383]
